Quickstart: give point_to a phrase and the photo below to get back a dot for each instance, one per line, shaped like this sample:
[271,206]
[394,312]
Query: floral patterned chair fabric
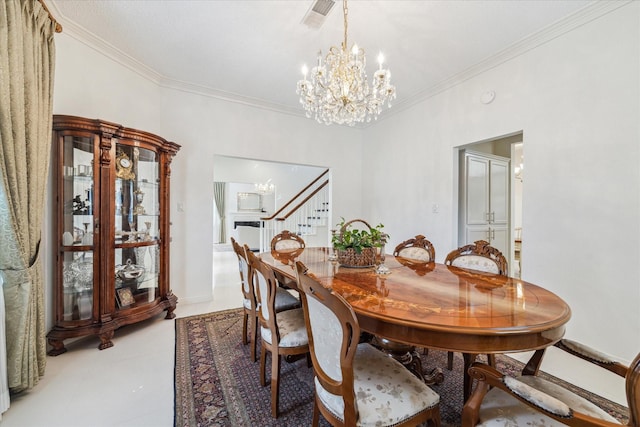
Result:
[476,262]
[283,333]
[356,384]
[531,400]
[416,249]
[284,300]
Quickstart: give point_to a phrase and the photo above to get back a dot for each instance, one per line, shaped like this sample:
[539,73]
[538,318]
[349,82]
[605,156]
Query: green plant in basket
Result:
[348,237]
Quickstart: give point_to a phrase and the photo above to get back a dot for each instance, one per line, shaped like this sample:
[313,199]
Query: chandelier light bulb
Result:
[305,70]
[337,90]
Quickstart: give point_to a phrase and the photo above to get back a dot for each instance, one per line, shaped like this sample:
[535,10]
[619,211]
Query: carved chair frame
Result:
[483,249]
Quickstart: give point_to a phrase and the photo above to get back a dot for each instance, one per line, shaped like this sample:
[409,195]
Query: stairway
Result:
[314,228]
[307,214]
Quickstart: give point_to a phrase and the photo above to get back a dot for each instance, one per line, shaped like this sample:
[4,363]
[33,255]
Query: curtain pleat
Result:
[27,60]
[219,196]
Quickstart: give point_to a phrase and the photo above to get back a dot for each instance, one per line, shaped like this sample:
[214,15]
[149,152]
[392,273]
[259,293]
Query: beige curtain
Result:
[26,85]
[219,196]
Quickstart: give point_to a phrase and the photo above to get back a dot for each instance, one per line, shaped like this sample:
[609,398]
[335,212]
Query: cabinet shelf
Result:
[141,244]
[77,248]
[126,168]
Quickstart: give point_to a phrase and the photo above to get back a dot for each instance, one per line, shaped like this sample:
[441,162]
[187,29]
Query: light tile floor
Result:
[131,384]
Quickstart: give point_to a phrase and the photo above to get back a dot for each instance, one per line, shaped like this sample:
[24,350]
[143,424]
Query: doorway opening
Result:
[246,190]
[250,189]
[490,191]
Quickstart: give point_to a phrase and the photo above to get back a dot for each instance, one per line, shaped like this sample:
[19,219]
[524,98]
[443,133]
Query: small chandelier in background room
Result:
[265,188]
[338,92]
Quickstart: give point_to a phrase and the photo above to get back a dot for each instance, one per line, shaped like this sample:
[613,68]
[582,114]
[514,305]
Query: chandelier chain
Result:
[345,11]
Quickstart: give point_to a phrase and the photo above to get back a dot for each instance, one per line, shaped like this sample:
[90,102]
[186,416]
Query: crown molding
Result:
[98,44]
[571,22]
[229,96]
[103,47]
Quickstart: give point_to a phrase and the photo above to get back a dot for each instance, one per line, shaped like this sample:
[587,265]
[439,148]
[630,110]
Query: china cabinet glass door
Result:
[137,226]
[78,221]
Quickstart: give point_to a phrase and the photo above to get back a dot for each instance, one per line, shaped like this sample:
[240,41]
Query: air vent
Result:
[317,14]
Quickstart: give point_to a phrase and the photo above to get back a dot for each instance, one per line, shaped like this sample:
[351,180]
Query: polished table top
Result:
[438,306]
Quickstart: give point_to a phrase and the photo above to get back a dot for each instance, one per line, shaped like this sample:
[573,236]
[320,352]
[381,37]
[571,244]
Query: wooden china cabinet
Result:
[112,251]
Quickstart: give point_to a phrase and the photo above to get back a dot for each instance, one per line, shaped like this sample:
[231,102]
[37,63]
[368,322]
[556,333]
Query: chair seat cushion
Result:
[500,409]
[285,301]
[293,331]
[386,392]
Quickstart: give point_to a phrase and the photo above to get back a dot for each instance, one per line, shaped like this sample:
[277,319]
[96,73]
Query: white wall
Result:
[576,98]
[91,85]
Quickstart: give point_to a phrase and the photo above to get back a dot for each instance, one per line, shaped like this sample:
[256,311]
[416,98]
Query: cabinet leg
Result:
[105,340]
[170,313]
[58,347]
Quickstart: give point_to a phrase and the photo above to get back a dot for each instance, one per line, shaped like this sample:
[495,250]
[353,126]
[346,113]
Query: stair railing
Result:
[304,214]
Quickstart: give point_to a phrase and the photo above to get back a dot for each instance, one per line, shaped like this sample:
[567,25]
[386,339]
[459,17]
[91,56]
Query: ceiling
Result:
[252,51]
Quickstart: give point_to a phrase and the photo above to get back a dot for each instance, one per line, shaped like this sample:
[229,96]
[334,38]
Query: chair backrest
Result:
[479,256]
[417,249]
[243,266]
[333,331]
[264,284]
[286,241]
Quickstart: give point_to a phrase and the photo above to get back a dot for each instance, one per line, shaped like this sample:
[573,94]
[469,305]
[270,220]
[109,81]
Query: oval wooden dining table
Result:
[438,306]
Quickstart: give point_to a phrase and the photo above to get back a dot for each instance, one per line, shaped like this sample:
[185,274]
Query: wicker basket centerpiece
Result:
[358,247]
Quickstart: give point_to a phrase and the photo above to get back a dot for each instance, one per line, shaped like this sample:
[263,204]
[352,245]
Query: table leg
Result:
[409,357]
[468,360]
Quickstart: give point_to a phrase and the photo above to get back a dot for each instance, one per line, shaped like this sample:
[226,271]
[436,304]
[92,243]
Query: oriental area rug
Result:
[216,383]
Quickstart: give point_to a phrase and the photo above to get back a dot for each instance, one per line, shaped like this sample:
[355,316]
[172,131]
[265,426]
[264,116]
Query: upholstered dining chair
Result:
[356,384]
[479,256]
[284,300]
[417,249]
[500,400]
[282,333]
[286,245]
[286,241]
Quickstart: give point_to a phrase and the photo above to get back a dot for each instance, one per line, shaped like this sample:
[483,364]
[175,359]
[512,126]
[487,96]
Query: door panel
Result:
[499,192]
[475,233]
[500,239]
[477,180]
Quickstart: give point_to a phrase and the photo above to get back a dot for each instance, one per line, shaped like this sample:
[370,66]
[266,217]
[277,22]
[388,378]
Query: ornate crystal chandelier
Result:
[338,92]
